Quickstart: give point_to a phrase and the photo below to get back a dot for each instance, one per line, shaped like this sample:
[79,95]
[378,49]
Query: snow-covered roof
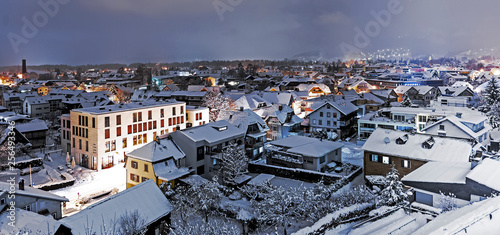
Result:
[27,222]
[32,192]
[124,107]
[293,141]
[145,197]
[251,102]
[156,151]
[194,180]
[341,105]
[38,125]
[458,122]
[277,97]
[440,172]
[443,150]
[281,112]
[213,132]
[307,146]
[475,218]
[243,119]
[382,92]
[168,171]
[315,149]
[487,173]
[308,87]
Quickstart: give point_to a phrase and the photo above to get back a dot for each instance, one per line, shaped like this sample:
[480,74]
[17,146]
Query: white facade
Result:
[197,116]
[102,135]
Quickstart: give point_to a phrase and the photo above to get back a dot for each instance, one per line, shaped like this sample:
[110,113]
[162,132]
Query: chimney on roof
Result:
[24,67]
[157,139]
[280,107]
[241,108]
[459,115]
[21,184]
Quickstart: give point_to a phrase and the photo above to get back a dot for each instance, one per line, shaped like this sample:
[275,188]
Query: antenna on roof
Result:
[387,140]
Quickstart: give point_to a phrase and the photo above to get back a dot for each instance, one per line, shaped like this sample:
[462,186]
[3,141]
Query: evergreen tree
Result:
[234,163]
[392,194]
[492,93]
[406,102]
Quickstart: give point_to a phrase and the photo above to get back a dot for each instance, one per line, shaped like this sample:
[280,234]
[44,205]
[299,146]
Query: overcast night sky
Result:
[127,31]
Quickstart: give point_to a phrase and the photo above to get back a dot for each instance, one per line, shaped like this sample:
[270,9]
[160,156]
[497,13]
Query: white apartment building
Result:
[100,136]
[197,116]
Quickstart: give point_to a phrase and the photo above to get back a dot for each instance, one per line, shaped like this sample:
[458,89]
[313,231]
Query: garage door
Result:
[423,198]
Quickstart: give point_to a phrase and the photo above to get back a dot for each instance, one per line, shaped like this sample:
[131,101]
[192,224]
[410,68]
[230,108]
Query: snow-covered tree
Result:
[492,94]
[406,102]
[494,115]
[131,223]
[207,197]
[215,101]
[393,193]
[278,207]
[448,202]
[234,163]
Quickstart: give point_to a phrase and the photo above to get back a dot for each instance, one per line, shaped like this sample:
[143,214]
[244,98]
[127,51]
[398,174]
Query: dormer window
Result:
[402,139]
[428,143]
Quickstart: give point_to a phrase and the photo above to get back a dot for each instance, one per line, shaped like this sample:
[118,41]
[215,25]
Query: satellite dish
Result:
[387,140]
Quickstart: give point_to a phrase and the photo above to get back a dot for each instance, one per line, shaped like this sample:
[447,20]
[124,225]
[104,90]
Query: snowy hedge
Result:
[335,218]
[35,162]
[55,185]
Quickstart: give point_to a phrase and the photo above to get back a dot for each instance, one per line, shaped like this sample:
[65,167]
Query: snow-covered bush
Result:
[448,202]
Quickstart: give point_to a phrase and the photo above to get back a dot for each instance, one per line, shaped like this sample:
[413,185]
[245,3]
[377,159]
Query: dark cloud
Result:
[126,31]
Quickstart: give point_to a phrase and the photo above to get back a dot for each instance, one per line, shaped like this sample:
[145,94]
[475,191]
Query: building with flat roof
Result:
[304,153]
[100,136]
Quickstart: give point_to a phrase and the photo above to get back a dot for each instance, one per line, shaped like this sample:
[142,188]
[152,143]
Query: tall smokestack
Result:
[24,66]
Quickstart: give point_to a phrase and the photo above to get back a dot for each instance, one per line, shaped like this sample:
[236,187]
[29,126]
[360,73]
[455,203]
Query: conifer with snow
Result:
[393,193]
[406,102]
[234,163]
[492,94]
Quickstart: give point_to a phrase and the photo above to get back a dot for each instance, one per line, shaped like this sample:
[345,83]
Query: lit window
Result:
[386,160]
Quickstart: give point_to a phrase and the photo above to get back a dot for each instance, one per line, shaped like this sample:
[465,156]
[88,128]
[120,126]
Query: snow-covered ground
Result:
[94,182]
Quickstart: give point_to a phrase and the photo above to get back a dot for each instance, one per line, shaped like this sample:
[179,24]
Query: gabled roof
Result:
[487,173]
[440,172]
[444,149]
[251,102]
[156,151]
[168,170]
[145,197]
[341,105]
[308,87]
[28,221]
[243,119]
[403,89]
[458,123]
[38,125]
[281,115]
[32,192]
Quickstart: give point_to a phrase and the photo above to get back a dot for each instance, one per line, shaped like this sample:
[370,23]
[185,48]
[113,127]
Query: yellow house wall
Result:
[139,171]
